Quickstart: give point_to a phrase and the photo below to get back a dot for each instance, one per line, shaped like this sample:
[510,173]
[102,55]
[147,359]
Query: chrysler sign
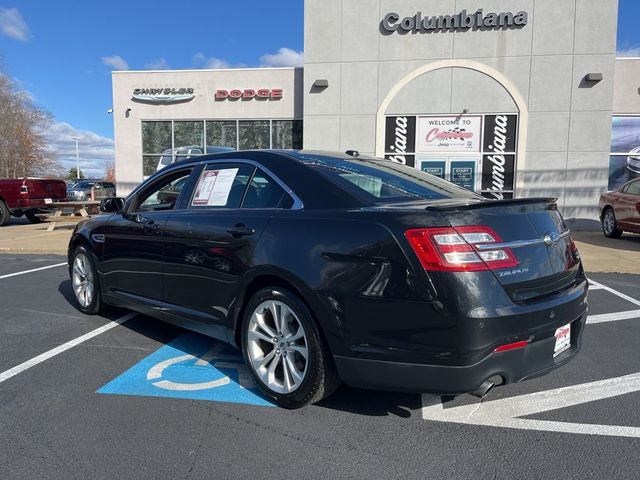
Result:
[393,22]
[163,95]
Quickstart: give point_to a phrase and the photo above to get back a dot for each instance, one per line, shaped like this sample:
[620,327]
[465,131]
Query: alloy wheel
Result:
[609,222]
[82,280]
[277,346]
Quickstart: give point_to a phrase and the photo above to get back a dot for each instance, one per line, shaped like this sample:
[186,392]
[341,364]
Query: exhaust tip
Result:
[483,389]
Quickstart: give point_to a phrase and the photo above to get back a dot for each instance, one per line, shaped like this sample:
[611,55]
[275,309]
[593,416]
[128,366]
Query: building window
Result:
[624,157]
[253,134]
[167,141]
[222,134]
[286,134]
[188,135]
[156,139]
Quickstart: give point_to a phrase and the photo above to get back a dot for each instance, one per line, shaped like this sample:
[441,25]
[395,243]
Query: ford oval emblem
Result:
[551,239]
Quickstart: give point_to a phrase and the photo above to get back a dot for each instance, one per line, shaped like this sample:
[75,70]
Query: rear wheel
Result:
[609,225]
[5,213]
[284,350]
[32,217]
[84,281]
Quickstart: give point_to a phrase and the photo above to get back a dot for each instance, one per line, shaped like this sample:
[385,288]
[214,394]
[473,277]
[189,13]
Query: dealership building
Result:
[505,98]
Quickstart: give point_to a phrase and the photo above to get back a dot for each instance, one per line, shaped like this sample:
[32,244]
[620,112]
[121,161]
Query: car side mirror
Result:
[112,205]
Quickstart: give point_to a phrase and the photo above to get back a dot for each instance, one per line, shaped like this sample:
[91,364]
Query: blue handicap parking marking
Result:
[191,366]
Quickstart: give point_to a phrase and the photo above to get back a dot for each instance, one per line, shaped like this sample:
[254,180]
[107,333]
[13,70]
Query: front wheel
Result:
[609,225]
[284,350]
[84,281]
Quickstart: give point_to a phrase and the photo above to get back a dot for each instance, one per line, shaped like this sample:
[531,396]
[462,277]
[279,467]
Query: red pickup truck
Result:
[29,196]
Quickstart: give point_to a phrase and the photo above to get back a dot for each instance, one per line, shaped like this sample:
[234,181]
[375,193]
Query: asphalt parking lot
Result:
[125,396]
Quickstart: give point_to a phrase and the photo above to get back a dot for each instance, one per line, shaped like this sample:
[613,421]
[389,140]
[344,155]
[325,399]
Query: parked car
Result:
[28,197]
[324,267]
[182,153]
[633,160]
[620,210]
[81,190]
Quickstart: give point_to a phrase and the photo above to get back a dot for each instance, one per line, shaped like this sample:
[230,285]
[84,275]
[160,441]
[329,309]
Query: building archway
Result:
[482,68]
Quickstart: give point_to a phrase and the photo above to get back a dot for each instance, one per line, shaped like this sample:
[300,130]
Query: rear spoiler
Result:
[507,202]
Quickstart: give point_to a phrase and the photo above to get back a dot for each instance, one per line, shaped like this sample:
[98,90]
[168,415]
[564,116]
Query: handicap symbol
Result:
[214,358]
[191,366]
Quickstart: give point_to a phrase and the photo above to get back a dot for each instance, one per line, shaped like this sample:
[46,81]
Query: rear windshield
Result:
[385,181]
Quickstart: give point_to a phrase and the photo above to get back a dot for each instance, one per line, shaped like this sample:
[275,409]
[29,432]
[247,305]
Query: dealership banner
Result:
[624,161]
[400,139]
[497,176]
[449,133]
[500,133]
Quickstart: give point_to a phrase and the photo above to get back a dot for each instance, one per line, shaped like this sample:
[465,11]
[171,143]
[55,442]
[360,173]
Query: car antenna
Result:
[353,153]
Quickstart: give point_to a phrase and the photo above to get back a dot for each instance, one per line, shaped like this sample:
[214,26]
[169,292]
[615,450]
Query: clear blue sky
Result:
[63,51]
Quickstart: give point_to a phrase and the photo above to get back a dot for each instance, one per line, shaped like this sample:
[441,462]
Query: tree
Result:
[23,147]
[110,175]
[73,174]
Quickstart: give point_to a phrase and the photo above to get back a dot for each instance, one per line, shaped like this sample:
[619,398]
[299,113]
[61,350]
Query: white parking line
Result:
[599,286]
[612,317]
[12,372]
[32,270]
[505,412]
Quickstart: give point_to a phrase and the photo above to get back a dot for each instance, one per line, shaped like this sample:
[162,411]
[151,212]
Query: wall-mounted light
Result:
[321,83]
[593,77]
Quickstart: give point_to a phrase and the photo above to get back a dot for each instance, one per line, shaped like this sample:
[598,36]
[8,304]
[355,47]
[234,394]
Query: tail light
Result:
[454,249]
[575,254]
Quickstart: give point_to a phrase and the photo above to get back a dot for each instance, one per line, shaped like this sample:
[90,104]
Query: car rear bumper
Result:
[534,360]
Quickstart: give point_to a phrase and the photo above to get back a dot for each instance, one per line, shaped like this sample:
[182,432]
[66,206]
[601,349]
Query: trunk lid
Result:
[534,231]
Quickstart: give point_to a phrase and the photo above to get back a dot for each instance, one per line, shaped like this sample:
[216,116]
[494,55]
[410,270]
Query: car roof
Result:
[301,156]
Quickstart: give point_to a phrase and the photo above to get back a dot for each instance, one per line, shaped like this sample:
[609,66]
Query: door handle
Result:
[240,230]
[150,226]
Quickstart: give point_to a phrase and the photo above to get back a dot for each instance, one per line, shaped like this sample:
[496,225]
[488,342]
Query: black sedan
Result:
[326,267]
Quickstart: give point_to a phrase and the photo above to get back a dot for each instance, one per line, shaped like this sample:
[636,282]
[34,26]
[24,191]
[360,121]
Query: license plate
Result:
[48,201]
[563,339]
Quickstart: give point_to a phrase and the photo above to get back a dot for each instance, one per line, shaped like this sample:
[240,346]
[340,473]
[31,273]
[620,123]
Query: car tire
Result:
[84,282]
[32,217]
[288,379]
[5,213]
[609,224]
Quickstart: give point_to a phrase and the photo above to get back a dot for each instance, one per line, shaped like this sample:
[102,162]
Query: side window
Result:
[163,194]
[221,186]
[633,188]
[264,192]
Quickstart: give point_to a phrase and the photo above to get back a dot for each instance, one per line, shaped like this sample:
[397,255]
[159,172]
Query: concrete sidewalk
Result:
[599,254]
[20,236]
[609,255]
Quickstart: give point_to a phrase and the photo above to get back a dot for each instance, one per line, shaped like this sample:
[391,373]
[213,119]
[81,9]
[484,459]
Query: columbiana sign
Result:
[393,22]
